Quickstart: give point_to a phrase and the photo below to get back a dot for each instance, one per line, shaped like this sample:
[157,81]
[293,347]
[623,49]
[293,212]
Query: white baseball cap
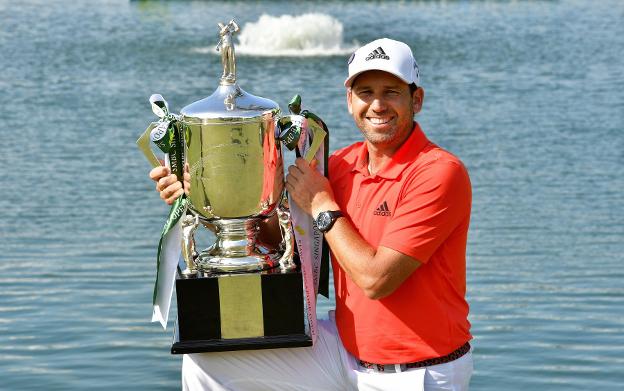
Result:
[387,55]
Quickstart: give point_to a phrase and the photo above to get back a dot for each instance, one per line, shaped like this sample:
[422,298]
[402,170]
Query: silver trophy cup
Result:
[235,163]
[237,293]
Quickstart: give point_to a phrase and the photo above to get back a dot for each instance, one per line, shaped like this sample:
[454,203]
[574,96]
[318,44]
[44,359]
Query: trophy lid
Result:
[229,102]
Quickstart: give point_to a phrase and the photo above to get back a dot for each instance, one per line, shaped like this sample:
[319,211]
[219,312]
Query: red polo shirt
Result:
[417,204]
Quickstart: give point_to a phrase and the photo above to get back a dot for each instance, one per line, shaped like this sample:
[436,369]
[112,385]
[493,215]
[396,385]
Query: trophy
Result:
[238,293]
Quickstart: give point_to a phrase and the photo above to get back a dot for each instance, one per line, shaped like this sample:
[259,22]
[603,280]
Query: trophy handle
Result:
[288,239]
[190,223]
[144,145]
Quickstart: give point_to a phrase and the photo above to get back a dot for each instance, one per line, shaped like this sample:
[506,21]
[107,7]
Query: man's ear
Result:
[349,96]
[418,98]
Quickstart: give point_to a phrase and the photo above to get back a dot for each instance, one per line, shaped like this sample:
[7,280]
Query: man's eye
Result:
[392,93]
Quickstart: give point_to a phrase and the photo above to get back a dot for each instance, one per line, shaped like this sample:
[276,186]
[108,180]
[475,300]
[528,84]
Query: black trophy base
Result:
[225,345]
[240,312]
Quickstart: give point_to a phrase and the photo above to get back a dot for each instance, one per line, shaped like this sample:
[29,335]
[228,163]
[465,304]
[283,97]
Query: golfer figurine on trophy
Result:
[237,293]
[226,47]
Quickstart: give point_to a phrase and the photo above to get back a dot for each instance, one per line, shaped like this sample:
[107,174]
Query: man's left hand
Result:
[309,189]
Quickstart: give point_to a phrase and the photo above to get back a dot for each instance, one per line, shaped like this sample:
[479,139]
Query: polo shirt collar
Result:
[400,160]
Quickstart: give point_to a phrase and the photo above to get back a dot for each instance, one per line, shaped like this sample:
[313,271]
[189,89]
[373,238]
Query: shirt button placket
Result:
[360,184]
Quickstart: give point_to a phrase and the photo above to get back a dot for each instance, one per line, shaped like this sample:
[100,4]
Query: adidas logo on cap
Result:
[377,53]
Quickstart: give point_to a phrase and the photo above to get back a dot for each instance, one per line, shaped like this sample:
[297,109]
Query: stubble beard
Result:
[379,138]
[397,134]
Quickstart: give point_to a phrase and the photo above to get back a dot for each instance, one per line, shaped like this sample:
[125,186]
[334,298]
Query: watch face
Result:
[324,219]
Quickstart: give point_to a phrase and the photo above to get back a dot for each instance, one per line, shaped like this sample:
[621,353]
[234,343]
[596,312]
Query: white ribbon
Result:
[168,259]
[171,249]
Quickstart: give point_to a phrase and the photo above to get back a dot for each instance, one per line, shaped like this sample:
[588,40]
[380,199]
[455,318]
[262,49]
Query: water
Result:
[528,94]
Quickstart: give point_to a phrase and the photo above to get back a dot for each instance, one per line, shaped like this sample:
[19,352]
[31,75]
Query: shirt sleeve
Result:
[432,204]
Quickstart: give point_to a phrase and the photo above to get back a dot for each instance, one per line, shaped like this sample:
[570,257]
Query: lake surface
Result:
[529,94]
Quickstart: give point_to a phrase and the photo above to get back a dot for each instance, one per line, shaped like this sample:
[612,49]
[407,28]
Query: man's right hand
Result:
[167,184]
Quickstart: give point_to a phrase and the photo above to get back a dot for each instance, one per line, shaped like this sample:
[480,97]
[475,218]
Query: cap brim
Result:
[349,81]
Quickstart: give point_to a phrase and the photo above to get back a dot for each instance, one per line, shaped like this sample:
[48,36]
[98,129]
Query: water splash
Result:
[306,35]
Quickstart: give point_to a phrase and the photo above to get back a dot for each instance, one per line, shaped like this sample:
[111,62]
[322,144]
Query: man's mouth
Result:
[378,121]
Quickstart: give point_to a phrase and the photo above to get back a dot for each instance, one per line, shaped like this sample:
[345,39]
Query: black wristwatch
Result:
[325,220]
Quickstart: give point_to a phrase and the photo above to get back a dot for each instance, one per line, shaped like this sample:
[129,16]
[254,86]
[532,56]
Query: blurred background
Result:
[530,95]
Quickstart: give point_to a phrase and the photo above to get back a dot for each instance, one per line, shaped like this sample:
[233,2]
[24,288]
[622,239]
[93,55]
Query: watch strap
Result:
[335,214]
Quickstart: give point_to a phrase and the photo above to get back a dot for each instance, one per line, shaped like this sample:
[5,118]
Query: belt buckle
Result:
[397,368]
[390,368]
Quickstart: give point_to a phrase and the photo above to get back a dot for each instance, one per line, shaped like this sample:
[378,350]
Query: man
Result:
[395,213]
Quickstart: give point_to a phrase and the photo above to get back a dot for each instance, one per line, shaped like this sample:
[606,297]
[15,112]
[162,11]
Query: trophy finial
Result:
[226,47]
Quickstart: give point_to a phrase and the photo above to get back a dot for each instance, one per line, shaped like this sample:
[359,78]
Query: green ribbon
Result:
[176,156]
[290,133]
[163,135]
[171,142]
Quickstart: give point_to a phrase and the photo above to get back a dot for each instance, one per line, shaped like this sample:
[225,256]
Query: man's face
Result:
[383,107]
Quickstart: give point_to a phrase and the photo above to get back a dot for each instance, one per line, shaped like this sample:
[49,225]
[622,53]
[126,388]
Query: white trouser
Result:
[324,367]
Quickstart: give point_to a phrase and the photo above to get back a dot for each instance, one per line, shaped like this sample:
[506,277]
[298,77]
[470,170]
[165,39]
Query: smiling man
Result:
[395,213]
[400,208]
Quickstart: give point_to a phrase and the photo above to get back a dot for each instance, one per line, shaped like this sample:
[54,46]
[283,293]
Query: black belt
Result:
[454,355]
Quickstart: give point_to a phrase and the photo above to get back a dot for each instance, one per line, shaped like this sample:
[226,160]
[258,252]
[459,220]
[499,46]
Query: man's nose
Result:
[378,105]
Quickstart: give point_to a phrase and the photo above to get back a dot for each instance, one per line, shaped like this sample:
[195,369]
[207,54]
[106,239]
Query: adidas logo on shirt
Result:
[382,210]
[377,53]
